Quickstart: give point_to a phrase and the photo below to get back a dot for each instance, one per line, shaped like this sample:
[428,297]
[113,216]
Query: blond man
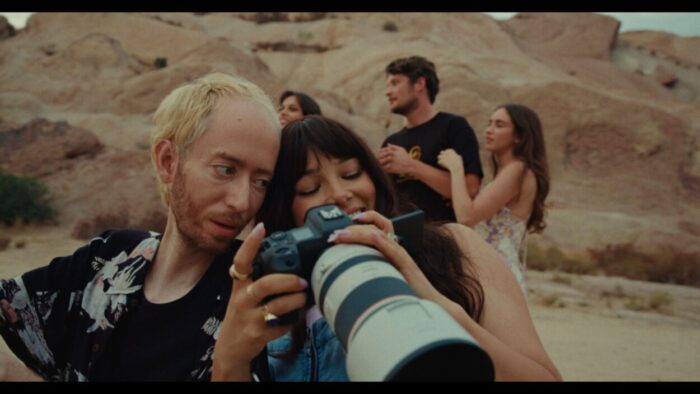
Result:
[136,305]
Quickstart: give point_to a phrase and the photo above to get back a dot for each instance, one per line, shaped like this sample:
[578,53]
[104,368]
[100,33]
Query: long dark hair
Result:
[440,259]
[308,105]
[530,148]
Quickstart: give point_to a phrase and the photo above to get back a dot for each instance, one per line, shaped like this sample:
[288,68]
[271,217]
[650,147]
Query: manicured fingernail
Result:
[303,282]
[336,234]
[357,215]
[257,230]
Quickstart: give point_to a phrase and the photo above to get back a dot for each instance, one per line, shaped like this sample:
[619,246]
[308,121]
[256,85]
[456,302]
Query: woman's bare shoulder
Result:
[492,271]
[471,243]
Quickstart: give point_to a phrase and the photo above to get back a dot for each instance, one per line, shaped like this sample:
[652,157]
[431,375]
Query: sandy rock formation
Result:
[92,188]
[41,148]
[622,136]
[564,34]
[116,191]
[670,60]
[685,50]
[6,29]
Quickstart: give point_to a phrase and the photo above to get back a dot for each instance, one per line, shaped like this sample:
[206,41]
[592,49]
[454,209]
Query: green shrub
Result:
[305,36]
[552,300]
[160,62]
[23,198]
[636,304]
[554,259]
[659,299]
[4,242]
[390,26]
[656,301]
[564,280]
[618,292]
[541,259]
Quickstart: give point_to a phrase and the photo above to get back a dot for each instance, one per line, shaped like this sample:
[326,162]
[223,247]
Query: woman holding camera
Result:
[323,162]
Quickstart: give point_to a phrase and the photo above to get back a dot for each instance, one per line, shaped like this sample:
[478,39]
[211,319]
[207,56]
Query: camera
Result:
[295,251]
[388,333]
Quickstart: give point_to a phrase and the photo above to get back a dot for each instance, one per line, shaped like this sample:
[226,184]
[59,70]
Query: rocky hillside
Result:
[621,111]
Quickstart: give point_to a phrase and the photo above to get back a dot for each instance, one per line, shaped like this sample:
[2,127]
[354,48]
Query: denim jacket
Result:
[322,358]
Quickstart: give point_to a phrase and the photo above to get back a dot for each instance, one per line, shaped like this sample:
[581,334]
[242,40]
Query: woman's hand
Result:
[244,332]
[451,161]
[376,231]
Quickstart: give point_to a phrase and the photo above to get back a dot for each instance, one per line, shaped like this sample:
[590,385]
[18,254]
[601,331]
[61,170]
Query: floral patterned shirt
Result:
[58,319]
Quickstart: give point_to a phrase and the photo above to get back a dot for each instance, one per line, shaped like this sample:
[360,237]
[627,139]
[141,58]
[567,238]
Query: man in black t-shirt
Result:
[410,155]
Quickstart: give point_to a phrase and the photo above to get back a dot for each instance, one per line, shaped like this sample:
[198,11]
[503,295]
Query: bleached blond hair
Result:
[182,116]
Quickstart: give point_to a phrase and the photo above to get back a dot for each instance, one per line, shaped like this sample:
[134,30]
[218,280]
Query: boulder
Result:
[565,34]
[6,29]
[685,50]
[622,144]
[41,148]
[664,76]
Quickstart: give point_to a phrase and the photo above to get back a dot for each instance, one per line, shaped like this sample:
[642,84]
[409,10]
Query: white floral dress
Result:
[507,234]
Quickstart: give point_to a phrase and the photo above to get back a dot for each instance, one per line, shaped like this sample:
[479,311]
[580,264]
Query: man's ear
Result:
[419,85]
[165,159]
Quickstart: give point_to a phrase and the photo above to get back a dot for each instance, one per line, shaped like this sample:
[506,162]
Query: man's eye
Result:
[223,170]
[262,183]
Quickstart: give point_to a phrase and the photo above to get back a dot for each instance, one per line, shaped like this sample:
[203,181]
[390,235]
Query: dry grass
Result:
[562,279]
[664,264]
[5,242]
[552,301]
[659,299]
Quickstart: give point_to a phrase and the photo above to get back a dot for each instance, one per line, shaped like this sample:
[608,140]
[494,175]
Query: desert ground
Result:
[594,328]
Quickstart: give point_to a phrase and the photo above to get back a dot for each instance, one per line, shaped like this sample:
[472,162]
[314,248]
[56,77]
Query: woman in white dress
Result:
[512,204]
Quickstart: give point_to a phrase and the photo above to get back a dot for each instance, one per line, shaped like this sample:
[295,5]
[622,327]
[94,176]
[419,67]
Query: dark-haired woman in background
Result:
[513,203]
[321,162]
[296,105]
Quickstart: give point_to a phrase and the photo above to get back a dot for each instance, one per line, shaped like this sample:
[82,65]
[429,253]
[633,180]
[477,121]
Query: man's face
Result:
[401,94]
[220,183]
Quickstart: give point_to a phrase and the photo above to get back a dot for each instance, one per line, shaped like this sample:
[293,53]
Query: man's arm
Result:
[395,160]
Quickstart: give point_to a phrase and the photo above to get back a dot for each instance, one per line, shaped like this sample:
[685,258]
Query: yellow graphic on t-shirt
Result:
[415,154]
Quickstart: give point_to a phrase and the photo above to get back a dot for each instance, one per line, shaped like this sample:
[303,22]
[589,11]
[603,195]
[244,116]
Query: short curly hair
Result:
[415,67]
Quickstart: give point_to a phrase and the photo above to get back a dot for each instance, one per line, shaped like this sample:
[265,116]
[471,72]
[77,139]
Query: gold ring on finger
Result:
[269,317]
[392,237]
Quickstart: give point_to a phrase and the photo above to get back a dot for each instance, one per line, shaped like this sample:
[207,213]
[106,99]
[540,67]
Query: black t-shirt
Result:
[425,142]
[156,342]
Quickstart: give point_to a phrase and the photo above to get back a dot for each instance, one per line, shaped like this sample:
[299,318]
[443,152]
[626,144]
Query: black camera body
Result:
[295,251]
